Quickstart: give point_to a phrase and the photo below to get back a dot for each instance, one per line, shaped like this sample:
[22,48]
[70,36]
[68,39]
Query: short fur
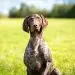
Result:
[37,57]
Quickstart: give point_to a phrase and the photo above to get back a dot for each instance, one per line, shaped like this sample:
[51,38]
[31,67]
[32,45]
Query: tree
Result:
[13,12]
[24,10]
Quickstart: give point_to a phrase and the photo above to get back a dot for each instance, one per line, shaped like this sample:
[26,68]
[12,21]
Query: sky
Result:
[6,5]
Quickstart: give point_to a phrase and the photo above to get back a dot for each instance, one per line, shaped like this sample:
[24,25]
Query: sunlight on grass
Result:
[60,36]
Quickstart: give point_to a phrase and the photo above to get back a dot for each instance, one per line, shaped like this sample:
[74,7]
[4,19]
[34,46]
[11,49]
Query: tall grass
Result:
[60,36]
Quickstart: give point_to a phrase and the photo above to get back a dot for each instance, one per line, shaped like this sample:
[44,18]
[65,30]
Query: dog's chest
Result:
[33,60]
[32,56]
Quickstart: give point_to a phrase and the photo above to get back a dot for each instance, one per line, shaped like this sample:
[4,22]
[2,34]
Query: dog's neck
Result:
[36,35]
[35,39]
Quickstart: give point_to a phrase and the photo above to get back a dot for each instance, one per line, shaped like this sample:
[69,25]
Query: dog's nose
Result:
[35,25]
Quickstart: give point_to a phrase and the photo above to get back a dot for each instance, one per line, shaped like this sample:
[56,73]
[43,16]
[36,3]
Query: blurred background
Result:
[59,34]
[49,8]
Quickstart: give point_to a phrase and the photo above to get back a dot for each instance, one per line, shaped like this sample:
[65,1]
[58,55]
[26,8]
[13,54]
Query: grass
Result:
[60,36]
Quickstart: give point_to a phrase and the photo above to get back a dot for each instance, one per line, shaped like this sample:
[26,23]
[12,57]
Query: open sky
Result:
[5,5]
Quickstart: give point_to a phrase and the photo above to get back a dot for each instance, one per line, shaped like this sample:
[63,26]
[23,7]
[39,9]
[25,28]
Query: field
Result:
[60,36]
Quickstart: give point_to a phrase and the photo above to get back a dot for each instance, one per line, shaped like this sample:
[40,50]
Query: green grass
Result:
[60,36]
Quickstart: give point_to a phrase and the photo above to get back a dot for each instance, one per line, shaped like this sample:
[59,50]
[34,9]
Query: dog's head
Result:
[34,23]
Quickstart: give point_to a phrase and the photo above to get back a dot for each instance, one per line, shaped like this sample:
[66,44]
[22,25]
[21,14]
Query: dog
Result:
[37,56]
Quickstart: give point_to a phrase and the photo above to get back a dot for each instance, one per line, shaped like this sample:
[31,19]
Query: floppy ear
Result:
[44,21]
[25,25]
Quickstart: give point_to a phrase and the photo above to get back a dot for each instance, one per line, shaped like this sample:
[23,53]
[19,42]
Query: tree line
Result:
[58,11]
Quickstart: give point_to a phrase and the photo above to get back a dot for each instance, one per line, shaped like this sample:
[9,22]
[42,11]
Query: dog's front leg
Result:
[36,46]
[49,66]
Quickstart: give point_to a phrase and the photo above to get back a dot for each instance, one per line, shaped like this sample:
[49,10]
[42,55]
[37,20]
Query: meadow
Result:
[59,34]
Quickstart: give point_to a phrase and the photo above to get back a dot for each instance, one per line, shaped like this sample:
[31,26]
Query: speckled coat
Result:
[37,56]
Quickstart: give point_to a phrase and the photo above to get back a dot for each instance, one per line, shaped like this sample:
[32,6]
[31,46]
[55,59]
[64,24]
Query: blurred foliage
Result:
[58,11]
[63,11]
[25,10]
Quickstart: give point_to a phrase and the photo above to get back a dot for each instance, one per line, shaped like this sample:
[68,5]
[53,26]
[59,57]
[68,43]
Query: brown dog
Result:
[37,55]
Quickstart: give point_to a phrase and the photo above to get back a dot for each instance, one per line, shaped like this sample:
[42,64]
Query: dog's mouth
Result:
[38,30]
[35,28]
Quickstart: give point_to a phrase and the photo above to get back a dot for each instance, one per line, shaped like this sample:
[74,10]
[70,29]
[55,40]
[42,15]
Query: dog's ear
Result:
[25,25]
[44,21]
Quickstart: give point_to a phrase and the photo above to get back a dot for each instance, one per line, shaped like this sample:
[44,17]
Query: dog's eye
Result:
[31,19]
[37,17]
